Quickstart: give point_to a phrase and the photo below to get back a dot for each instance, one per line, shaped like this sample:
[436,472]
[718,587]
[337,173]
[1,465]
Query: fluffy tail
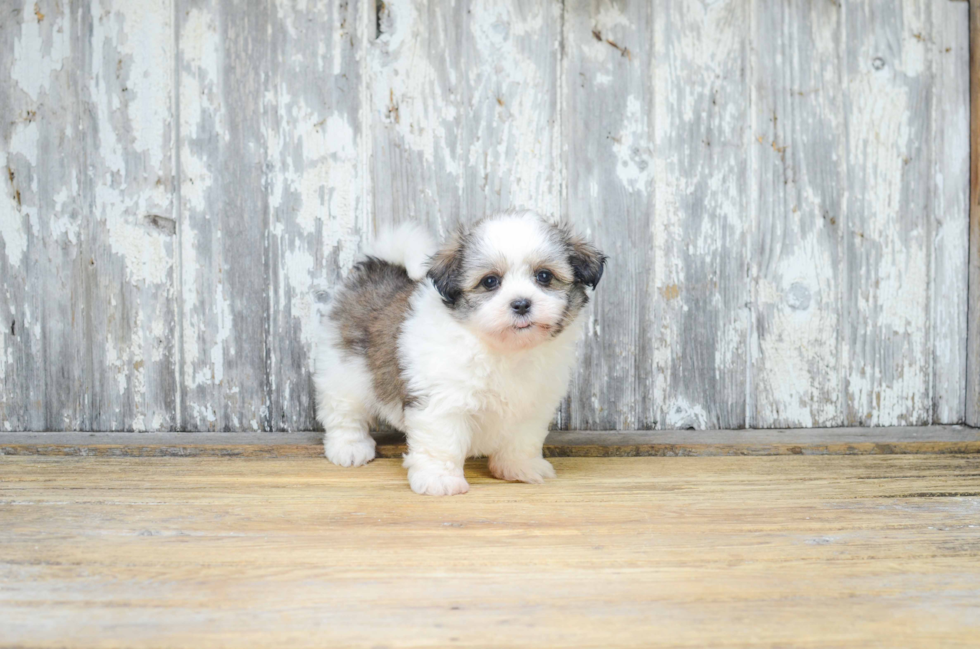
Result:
[408,245]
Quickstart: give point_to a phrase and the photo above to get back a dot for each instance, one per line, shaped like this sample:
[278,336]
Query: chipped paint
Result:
[632,149]
[41,50]
[407,91]
[12,232]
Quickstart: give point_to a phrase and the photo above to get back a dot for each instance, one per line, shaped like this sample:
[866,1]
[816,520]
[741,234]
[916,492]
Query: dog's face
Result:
[515,279]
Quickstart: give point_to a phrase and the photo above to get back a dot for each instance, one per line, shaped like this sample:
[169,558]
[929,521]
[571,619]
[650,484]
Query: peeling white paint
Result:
[40,51]
[797,356]
[632,149]
[682,415]
[511,151]
[12,233]
[145,38]
[148,259]
[146,253]
[407,93]
[299,273]
[224,321]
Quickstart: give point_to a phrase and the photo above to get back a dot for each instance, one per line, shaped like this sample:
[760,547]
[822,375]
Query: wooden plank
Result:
[719,552]
[973,349]
[887,235]
[223,62]
[608,136]
[30,53]
[797,138]
[464,110]
[316,183]
[86,217]
[698,224]
[950,124]
[654,130]
[819,441]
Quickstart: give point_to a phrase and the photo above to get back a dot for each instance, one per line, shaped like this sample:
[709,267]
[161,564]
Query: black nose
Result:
[521,306]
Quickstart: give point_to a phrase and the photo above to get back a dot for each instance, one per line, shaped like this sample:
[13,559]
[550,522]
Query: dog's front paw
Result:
[348,450]
[432,483]
[533,470]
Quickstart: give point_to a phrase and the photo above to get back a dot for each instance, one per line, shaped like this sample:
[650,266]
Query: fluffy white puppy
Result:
[467,348]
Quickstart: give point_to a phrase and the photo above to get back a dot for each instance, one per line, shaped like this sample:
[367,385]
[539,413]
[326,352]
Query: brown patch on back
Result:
[369,313]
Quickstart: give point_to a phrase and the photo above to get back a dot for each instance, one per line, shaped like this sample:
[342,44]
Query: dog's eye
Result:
[544,277]
[490,282]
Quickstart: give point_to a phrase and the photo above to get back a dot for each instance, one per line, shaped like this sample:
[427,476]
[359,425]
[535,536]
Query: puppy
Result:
[467,348]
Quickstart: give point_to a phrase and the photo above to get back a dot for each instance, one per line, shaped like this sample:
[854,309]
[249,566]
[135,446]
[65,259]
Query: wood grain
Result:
[973,350]
[641,552]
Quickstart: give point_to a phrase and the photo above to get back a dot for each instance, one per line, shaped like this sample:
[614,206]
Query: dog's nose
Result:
[521,306]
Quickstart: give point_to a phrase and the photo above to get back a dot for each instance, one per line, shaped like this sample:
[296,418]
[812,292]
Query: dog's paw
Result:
[348,450]
[533,470]
[432,483]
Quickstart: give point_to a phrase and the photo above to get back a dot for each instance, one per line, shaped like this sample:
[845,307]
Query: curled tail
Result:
[408,245]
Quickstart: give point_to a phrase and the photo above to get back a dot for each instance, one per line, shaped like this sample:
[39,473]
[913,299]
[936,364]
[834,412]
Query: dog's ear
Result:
[586,260]
[446,268]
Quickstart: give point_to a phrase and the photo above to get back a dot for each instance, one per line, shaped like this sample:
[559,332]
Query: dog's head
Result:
[515,279]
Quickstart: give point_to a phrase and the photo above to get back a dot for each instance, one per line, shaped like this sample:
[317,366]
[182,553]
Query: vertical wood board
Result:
[699,224]
[796,149]
[887,229]
[973,349]
[224,215]
[315,181]
[86,216]
[949,178]
[608,135]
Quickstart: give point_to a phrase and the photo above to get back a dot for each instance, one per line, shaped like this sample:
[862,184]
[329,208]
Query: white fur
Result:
[408,245]
[487,392]
[343,385]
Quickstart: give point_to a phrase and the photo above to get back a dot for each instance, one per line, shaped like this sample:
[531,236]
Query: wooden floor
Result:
[789,551]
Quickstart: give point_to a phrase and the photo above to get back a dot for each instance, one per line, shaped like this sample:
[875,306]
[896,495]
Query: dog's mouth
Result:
[528,326]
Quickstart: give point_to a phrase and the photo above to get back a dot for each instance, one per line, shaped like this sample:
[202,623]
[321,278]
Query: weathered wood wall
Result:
[783,188]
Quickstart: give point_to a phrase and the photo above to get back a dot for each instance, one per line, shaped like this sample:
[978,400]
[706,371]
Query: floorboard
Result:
[787,551]
[661,443]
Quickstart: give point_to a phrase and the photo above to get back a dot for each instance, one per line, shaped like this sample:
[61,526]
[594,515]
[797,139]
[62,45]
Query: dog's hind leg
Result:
[343,392]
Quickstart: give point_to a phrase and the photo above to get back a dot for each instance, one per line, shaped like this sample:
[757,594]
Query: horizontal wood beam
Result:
[672,443]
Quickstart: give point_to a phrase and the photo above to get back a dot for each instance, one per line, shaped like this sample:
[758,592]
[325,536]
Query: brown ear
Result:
[587,261]
[446,267]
